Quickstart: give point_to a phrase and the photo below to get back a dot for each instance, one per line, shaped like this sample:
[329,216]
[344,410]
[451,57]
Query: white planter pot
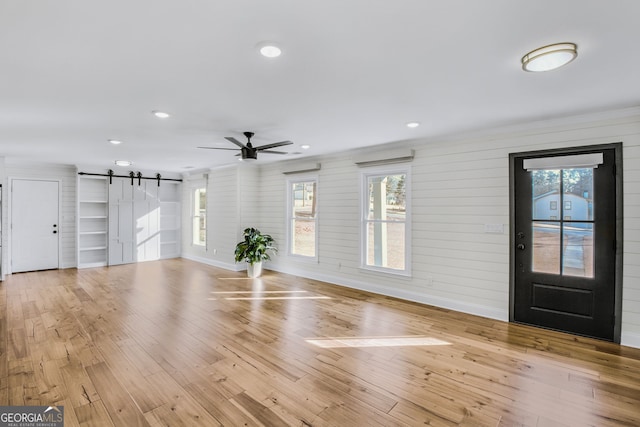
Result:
[254,270]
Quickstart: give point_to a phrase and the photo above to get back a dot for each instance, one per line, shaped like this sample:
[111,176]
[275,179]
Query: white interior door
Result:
[35,228]
[134,221]
[121,227]
[147,220]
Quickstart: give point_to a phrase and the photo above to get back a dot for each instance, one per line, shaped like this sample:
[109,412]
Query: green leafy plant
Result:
[255,247]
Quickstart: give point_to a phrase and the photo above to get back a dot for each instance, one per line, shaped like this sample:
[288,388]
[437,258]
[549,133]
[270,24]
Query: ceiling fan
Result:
[248,151]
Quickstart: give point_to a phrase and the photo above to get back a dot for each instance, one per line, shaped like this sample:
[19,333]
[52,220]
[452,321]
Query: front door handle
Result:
[521,246]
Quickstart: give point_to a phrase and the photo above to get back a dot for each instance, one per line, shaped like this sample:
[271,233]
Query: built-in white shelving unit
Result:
[122,223]
[93,203]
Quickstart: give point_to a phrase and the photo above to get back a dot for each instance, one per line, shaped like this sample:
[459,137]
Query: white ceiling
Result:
[74,73]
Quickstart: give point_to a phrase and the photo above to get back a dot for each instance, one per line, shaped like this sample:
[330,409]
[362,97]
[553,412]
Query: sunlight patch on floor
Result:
[259,292]
[360,342]
[274,298]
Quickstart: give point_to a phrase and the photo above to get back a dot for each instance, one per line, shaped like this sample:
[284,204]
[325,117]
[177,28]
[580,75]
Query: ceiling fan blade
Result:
[273,152]
[235,141]
[219,148]
[274,145]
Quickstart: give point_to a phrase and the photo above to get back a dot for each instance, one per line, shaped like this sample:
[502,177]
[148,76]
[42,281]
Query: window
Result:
[385,220]
[199,215]
[302,216]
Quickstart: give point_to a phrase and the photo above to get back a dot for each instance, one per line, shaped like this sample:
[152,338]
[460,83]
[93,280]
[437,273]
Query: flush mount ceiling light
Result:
[161,114]
[305,146]
[114,141]
[413,124]
[123,163]
[549,57]
[269,50]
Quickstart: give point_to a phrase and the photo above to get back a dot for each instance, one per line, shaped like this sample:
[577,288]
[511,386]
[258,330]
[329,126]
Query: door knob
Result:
[521,246]
[55,231]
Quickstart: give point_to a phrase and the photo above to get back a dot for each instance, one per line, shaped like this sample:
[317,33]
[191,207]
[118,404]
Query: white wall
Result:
[458,186]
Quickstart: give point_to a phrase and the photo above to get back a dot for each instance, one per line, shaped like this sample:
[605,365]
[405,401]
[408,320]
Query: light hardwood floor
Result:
[177,343]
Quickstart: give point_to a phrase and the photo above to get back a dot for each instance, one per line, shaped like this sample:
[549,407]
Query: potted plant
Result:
[254,249]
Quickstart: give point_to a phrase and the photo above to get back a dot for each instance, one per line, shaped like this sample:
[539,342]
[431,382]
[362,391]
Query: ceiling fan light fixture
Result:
[549,57]
[249,153]
[269,50]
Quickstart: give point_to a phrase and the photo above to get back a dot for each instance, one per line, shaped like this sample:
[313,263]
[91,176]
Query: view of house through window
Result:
[385,221]
[200,216]
[563,240]
[302,218]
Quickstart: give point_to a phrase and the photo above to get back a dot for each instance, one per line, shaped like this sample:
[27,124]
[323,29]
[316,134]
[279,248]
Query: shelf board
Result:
[82,233]
[93,248]
[94,201]
[93,217]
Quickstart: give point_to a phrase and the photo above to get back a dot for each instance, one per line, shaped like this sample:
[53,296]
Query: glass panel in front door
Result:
[562,222]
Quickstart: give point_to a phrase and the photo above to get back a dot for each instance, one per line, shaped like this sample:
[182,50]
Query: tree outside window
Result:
[384,225]
[200,216]
[302,217]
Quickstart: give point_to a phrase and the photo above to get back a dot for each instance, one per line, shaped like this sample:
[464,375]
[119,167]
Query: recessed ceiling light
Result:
[114,141]
[549,57]
[305,146]
[123,163]
[269,50]
[161,114]
[413,124]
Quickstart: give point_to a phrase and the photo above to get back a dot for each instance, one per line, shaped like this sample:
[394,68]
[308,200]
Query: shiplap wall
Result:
[232,205]
[67,176]
[458,186]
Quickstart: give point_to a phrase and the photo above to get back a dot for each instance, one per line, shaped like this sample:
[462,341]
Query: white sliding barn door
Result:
[146,215]
[121,227]
[134,221]
[35,228]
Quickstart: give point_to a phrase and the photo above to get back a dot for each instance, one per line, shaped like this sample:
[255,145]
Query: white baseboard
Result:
[475,309]
[630,339]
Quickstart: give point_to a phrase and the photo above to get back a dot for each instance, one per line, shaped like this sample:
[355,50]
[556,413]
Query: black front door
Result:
[565,272]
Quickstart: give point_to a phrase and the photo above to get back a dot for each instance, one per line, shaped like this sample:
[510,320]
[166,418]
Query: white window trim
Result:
[288,216]
[193,186]
[364,192]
